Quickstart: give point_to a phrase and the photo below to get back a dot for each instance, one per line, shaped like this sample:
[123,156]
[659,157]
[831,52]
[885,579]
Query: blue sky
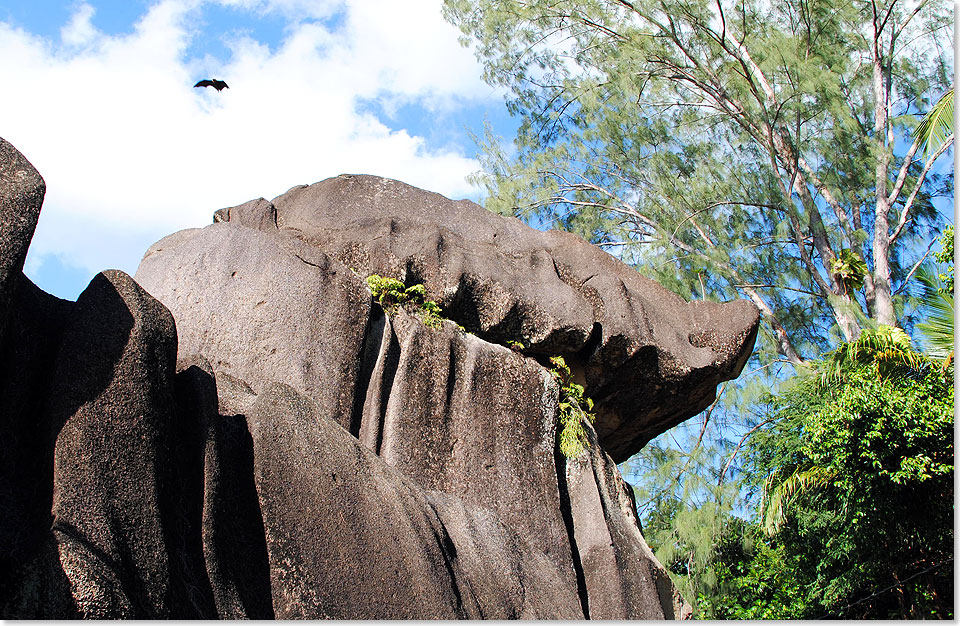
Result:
[100,100]
[98,96]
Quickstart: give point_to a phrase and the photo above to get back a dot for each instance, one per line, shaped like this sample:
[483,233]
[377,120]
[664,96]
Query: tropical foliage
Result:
[856,476]
[771,151]
[573,408]
[730,148]
[392,294]
[936,127]
[850,475]
[946,256]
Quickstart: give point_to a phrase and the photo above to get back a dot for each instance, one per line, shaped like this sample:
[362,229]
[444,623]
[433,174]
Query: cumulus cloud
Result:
[131,151]
[79,30]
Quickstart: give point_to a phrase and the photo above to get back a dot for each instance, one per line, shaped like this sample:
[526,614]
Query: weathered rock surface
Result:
[622,577]
[649,358]
[269,309]
[310,455]
[21,195]
[116,497]
[361,541]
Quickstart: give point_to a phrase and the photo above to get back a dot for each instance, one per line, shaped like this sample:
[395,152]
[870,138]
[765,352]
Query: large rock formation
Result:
[312,455]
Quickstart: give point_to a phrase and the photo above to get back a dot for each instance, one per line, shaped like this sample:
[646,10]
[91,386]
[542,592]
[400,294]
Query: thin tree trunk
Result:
[784,344]
[882,297]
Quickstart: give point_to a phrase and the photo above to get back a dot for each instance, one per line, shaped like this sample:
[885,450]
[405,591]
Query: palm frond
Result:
[937,331]
[936,126]
[885,347]
[775,501]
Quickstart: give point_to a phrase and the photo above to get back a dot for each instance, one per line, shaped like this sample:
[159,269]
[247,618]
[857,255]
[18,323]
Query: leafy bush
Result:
[756,578]
[857,481]
[945,257]
[392,293]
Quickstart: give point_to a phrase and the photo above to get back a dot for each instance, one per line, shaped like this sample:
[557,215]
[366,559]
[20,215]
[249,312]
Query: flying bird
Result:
[217,84]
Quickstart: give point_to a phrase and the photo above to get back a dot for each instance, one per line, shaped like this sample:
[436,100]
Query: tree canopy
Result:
[766,150]
[727,149]
[857,482]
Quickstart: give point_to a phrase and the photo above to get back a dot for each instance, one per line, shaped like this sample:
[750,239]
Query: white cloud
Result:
[79,30]
[130,151]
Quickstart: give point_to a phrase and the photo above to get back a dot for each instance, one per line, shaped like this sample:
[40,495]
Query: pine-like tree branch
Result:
[908,205]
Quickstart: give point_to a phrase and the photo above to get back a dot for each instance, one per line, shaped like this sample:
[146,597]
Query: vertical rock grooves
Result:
[196,399]
[369,352]
[391,363]
[449,552]
[566,512]
[376,395]
[235,547]
[454,358]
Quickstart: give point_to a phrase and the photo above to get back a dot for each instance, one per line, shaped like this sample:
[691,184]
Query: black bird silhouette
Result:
[217,84]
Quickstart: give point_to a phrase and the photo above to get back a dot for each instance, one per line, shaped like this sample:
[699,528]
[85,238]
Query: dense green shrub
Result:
[856,474]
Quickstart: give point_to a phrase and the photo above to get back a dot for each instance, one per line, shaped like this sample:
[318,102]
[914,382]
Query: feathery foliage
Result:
[775,500]
[727,149]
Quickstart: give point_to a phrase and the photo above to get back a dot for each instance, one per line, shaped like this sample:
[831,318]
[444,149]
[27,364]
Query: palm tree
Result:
[776,497]
[935,130]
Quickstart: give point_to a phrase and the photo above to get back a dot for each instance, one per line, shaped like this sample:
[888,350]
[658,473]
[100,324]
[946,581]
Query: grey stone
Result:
[347,538]
[447,409]
[32,582]
[648,358]
[234,396]
[312,455]
[28,351]
[622,576]
[258,214]
[458,414]
[21,195]
[195,392]
[499,573]
[351,538]
[233,546]
[264,308]
[114,496]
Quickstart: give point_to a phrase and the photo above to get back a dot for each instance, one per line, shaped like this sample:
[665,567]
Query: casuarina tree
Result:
[728,148]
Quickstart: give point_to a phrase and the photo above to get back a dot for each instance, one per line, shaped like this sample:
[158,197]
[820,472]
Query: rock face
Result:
[21,195]
[242,431]
[649,358]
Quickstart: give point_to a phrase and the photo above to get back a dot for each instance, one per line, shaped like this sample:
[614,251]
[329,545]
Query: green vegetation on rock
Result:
[573,407]
[392,294]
